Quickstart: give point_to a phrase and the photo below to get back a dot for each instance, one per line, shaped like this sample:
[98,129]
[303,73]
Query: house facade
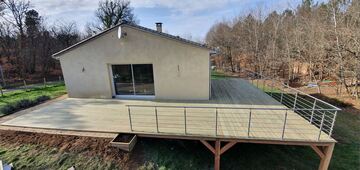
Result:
[130,61]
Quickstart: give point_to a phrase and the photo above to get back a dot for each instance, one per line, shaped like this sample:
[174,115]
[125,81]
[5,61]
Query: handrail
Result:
[226,107]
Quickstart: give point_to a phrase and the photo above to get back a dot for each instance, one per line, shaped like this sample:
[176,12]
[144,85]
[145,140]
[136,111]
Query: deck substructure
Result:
[324,152]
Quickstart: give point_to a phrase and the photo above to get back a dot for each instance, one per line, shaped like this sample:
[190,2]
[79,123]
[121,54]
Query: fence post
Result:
[296,95]
[249,125]
[332,124]
[313,111]
[257,83]
[131,128]
[44,82]
[321,125]
[59,78]
[1,90]
[185,120]
[285,119]
[2,77]
[157,120]
[25,86]
[216,121]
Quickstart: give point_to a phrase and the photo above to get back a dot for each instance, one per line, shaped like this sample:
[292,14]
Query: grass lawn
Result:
[40,157]
[218,75]
[20,99]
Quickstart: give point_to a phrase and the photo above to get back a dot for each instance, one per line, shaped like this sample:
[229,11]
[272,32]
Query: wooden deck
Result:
[233,97]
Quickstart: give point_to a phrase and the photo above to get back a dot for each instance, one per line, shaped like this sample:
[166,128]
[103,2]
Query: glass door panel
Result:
[144,79]
[123,79]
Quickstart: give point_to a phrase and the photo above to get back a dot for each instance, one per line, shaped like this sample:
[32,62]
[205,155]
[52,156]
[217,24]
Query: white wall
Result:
[189,82]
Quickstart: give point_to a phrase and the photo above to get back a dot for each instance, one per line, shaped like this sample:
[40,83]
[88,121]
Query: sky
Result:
[187,18]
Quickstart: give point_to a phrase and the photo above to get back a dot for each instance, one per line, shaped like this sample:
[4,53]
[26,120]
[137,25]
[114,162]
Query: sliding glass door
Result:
[133,79]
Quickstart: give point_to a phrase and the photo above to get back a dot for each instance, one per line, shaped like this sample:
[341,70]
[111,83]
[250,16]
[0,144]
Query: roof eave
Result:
[58,54]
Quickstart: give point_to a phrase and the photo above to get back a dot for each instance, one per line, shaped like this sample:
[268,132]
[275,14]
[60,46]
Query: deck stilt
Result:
[218,150]
[325,160]
[217,155]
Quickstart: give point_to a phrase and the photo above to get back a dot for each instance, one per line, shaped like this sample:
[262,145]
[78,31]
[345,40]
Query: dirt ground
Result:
[328,93]
[87,146]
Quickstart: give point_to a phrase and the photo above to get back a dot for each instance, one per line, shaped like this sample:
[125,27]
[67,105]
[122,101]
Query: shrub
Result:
[8,109]
[41,99]
[22,104]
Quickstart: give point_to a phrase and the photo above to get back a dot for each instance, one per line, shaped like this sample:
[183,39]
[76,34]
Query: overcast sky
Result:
[180,17]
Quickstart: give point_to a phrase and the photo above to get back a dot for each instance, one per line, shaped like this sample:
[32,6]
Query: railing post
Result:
[216,121]
[284,126]
[313,111]
[185,120]
[157,120]
[249,125]
[282,94]
[296,96]
[264,85]
[131,128]
[332,124]
[272,88]
[321,125]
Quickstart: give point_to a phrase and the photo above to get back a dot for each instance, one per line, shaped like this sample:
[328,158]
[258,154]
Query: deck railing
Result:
[226,121]
[315,111]
[304,116]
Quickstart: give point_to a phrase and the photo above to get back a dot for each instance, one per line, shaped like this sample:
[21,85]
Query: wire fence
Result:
[29,84]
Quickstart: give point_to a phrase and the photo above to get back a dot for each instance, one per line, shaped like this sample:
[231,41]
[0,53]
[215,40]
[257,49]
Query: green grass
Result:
[12,99]
[39,157]
[218,75]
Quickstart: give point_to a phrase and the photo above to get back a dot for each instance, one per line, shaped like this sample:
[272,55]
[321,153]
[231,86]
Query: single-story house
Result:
[131,61]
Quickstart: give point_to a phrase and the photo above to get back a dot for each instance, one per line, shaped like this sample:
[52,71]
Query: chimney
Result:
[159,26]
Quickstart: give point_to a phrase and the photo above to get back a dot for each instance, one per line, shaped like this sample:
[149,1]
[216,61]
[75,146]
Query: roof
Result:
[134,26]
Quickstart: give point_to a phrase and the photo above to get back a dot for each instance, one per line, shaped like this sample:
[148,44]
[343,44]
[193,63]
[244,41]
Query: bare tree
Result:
[111,13]
[16,10]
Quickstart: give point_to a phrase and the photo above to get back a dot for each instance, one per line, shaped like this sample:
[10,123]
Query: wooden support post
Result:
[217,155]
[325,154]
[325,161]
[218,151]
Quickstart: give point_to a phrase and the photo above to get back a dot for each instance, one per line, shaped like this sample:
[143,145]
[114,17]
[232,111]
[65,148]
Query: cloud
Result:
[184,6]
[51,7]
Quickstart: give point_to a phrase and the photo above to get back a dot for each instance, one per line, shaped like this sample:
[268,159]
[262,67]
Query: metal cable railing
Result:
[303,104]
[274,123]
[304,117]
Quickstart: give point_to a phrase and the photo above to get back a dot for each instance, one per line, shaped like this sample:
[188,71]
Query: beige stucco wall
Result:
[189,82]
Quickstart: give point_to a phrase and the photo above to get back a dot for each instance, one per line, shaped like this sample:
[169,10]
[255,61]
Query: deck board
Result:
[111,115]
